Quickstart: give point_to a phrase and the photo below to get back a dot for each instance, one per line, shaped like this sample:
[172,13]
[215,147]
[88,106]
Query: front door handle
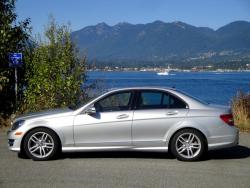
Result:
[170,113]
[122,116]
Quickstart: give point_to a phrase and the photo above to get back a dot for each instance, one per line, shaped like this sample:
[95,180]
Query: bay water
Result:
[212,87]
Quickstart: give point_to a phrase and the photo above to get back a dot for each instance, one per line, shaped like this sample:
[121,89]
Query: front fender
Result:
[62,126]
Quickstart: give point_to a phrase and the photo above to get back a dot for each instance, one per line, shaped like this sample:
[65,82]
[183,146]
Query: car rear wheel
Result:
[188,145]
[41,144]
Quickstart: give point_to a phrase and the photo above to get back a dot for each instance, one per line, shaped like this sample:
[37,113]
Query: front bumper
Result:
[14,141]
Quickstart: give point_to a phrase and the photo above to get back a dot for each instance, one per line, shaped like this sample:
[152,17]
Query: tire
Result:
[41,144]
[188,145]
[22,155]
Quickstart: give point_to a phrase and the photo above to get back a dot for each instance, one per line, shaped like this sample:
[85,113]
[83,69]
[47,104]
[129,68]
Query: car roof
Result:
[142,88]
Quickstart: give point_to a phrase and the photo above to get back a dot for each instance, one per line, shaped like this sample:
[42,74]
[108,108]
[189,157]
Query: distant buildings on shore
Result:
[207,68]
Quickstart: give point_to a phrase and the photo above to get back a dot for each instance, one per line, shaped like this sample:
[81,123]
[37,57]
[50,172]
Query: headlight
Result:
[17,124]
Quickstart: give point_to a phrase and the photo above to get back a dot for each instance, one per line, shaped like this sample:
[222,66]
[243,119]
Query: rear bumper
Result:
[219,142]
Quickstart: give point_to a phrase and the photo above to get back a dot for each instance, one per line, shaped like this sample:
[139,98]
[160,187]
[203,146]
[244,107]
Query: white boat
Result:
[165,72]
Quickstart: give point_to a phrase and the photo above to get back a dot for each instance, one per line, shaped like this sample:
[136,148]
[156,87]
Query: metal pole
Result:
[16,84]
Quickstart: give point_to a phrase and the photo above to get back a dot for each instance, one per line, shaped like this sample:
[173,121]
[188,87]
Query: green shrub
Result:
[54,73]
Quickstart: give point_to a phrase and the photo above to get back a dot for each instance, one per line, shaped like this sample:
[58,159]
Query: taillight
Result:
[228,119]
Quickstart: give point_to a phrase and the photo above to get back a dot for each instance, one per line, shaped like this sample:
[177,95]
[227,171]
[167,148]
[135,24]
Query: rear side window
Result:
[158,100]
[174,102]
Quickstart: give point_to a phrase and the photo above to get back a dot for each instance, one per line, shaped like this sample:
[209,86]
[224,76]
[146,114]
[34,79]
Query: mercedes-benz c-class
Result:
[139,118]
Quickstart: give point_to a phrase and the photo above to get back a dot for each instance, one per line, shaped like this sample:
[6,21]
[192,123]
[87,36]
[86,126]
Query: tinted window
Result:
[174,102]
[151,98]
[114,102]
[157,99]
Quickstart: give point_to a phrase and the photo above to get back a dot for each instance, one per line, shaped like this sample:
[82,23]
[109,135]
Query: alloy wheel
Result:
[40,144]
[188,145]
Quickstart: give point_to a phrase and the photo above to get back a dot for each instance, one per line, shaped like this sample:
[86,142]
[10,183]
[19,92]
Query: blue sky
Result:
[81,13]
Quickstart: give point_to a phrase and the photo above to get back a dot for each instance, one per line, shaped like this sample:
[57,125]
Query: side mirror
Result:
[91,111]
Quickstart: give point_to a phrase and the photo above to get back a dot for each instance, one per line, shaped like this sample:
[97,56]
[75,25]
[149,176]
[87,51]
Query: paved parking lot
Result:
[224,168]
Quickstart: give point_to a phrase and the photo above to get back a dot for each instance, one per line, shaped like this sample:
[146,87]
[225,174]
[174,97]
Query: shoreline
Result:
[172,70]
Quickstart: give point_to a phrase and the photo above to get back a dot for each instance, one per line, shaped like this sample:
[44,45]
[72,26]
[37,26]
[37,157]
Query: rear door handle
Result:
[122,116]
[171,113]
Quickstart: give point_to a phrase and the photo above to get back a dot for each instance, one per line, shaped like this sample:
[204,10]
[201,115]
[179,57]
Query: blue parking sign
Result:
[15,59]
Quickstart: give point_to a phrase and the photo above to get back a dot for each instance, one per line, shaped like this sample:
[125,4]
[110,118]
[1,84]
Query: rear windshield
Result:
[195,98]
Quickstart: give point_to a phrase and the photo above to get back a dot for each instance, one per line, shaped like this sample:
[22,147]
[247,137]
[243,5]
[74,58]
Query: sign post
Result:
[15,61]
[16,83]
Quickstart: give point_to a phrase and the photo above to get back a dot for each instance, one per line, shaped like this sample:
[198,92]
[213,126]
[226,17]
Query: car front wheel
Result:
[188,145]
[41,144]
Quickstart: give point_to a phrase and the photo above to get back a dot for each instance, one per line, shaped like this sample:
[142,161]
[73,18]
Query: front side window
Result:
[158,100]
[114,102]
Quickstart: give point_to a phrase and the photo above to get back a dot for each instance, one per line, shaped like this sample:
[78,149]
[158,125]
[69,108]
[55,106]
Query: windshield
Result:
[79,104]
[195,98]
[91,95]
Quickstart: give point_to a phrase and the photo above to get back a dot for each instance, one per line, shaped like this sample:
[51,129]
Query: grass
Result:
[4,124]
[4,121]
[241,111]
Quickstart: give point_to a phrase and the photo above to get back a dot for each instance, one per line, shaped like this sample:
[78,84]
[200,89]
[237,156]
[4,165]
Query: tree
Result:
[13,38]
[54,74]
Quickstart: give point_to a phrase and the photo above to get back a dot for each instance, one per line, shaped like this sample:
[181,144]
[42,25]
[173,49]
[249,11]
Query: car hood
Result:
[46,114]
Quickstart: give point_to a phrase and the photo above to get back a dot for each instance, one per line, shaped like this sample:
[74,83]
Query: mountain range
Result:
[160,41]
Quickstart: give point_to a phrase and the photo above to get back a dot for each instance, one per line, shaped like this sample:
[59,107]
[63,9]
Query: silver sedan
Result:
[140,118]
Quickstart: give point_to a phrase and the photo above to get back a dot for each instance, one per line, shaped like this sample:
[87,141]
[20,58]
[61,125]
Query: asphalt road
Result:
[224,168]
